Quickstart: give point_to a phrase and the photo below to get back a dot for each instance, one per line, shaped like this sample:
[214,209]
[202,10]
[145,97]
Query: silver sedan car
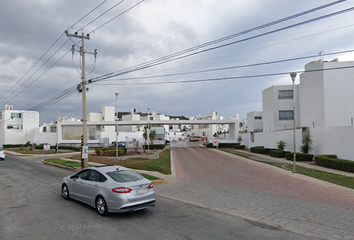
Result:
[109,189]
[2,154]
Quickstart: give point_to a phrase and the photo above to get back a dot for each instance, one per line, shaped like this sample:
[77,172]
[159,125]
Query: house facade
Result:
[323,108]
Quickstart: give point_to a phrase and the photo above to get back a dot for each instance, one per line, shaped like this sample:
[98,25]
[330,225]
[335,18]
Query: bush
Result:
[331,161]
[13,145]
[154,146]
[261,150]
[239,146]
[110,152]
[209,145]
[277,153]
[225,145]
[281,145]
[300,157]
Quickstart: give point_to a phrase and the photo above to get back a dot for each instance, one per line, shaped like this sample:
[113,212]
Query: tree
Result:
[239,139]
[145,135]
[152,136]
[306,145]
[281,145]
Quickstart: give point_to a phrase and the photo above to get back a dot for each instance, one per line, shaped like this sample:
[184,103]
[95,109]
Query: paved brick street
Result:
[262,193]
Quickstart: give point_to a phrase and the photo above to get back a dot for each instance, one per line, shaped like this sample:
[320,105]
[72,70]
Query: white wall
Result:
[338,92]
[253,123]
[336,140]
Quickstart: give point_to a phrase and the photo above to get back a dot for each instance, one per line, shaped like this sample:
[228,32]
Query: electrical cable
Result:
[100,16]
[162,60]
[227,68]
[229,78]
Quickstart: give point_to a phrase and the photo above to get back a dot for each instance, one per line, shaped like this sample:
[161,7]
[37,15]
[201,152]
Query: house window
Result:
[258,117]
[15,115]
[285,94]
[13,126]
[286,115]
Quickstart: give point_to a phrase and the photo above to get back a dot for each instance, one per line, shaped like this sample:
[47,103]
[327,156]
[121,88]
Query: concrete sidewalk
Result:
[312,165]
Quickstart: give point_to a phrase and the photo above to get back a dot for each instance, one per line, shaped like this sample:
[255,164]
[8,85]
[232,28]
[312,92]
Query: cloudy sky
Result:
[137,49]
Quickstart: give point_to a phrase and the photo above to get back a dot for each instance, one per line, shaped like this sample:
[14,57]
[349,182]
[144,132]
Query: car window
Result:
[124,176]
[96,176]
[83,174]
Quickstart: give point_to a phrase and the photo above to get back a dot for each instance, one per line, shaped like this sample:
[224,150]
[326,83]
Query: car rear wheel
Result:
[101,206]
[65,192]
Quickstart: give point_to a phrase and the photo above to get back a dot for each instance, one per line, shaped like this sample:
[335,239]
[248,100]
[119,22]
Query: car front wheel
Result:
[101,206]
[65,192]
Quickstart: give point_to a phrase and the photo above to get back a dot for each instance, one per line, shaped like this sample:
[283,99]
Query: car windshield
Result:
[124,176]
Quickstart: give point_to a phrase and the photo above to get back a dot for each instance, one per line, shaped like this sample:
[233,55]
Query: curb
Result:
[60,166]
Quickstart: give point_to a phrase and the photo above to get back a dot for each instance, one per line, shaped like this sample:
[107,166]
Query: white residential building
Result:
[326,96]
[254,121]
[278,108]
[14,125]
[323,107]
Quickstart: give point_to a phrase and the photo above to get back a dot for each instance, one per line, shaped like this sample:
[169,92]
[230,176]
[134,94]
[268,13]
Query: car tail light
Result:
[151,185]
[122,190]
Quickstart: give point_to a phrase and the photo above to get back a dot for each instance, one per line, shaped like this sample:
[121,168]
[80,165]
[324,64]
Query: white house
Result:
[15,124]
[323,107]
[277,104]
[326,94]
[254,121]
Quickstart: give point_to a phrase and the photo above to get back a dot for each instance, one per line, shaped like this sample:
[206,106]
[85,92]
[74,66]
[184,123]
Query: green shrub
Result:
[154,146]
[226,145]
[239,146]
[13,145]
[209,145]
[300,157]
[261,150]
[277,153]
[281,145]
[331,161]
[110,152]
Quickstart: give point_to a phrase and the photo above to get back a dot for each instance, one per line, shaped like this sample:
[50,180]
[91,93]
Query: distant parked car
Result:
[109,189]
[2,154]
[121,144]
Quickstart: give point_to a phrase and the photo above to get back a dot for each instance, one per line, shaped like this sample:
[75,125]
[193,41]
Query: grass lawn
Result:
[78,165]
[322,175]
[64,162]
[26,150]
[161,165]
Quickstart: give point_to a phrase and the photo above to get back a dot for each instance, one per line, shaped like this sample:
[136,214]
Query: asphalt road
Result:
[31,207]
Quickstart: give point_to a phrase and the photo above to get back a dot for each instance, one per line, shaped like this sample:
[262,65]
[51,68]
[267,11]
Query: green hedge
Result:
[331,161]
[225,145]
[299,156]
[239,146]
[154,146]
[110,152]
[14,145]
[261,150]
[277,153]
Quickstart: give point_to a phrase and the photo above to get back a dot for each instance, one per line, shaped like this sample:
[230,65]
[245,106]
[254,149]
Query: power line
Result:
[229,78]
[8,91]
[172,57]
[121,15]
[100,15]
[225,68]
